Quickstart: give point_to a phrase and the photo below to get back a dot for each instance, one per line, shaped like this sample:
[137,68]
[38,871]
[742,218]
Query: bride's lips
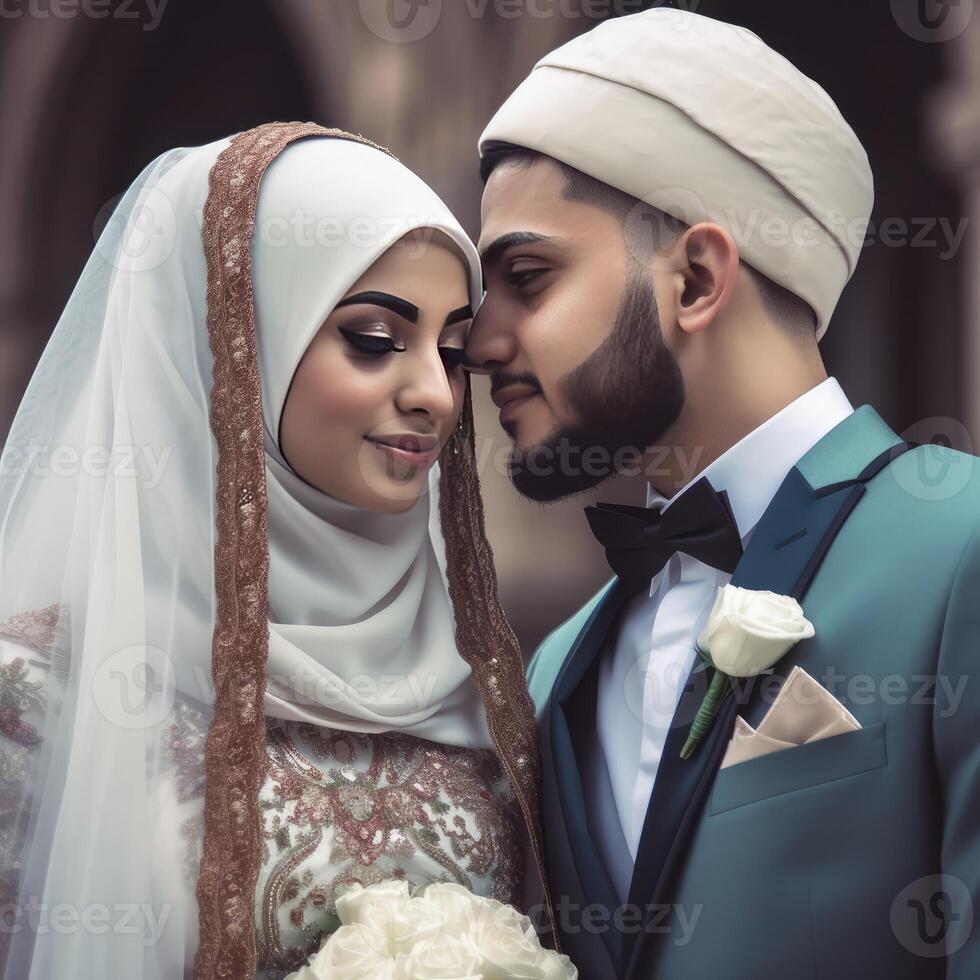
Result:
[408,447]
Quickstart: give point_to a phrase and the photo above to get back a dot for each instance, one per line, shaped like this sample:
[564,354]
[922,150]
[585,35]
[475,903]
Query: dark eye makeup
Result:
[374,345]
[453,356]
[366,343]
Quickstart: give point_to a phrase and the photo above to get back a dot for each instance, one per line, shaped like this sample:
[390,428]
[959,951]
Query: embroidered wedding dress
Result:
[174,801]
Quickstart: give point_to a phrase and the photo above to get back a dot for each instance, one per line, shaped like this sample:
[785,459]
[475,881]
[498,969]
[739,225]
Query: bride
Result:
[252,651]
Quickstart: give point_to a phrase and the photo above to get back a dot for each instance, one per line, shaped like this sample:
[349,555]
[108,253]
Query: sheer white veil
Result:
[134,543]
[81,487]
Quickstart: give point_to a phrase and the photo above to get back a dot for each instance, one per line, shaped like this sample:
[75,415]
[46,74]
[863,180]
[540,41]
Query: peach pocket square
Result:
[804,711]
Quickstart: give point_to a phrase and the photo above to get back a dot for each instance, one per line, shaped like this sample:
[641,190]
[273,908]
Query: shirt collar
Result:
[752,470]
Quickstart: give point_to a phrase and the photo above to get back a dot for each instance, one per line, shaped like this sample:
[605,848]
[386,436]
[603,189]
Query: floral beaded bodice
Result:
[343,808]
[340,808]
[337,808]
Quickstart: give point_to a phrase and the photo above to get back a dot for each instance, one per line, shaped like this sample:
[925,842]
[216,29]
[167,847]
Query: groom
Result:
[671,212]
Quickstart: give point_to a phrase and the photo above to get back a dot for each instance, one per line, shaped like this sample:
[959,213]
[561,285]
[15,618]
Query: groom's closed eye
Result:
[522,276]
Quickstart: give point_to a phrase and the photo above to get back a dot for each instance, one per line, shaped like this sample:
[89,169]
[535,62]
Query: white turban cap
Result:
[703,120]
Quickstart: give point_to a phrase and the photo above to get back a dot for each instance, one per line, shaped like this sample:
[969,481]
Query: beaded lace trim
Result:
[235,755]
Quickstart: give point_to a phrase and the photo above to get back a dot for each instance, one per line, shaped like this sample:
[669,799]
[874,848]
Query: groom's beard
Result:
[623,398]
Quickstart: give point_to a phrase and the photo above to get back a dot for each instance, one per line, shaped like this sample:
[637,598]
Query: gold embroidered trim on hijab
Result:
[235,753]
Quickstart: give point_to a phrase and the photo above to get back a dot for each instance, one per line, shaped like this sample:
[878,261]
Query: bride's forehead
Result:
[420,262]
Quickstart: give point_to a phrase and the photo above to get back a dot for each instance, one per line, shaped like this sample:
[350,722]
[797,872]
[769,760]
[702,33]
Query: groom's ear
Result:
[701,275]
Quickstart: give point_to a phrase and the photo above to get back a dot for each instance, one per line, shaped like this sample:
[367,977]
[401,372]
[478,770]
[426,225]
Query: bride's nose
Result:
[425,389]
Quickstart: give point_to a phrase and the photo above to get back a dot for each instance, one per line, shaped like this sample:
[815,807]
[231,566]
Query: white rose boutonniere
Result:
[445,931]
[746,633]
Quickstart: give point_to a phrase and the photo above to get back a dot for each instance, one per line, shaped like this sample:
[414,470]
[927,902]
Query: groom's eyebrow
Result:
[493,252]
[394,303]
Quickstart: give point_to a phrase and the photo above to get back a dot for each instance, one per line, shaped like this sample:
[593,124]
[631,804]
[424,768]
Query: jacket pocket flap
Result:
[798,768]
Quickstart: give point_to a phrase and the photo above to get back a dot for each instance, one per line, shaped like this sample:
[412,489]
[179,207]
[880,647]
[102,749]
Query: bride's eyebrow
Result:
[396,304]
[463,313]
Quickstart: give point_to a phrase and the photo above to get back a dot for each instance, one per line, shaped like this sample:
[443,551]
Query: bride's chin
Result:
[395,494]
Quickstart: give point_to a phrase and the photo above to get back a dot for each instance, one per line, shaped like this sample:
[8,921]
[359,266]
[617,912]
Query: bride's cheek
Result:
[361,400]
[345,392]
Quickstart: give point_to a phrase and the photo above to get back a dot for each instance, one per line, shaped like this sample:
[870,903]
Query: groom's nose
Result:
[490,346]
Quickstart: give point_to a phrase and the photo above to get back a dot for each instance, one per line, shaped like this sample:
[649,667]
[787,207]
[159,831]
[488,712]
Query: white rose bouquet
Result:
[443,932]
[746,633]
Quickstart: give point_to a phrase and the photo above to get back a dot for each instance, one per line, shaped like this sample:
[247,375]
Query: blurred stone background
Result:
[91,90]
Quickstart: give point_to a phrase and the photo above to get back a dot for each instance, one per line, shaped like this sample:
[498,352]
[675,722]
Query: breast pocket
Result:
[801,767]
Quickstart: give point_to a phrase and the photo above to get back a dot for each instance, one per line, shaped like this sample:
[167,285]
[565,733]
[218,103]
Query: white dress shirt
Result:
[642,675]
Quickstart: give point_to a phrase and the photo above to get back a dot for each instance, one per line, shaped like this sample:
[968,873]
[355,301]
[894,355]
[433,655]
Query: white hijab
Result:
[108,524]
[362,631]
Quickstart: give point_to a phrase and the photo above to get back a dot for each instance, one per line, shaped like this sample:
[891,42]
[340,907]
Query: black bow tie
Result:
[640,540]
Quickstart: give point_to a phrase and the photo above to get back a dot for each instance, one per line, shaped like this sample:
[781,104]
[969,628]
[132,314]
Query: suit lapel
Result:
[783,556]
[575,870]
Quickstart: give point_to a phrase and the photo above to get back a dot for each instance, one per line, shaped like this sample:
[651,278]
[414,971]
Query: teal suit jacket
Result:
[851,857]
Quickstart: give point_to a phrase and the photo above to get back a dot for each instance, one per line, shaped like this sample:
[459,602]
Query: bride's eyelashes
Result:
[375,345]
[454,357]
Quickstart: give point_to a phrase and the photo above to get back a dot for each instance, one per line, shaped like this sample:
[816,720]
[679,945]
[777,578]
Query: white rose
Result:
[456,903]
[438,959]
[413,922]
[446,934]
[466,913]
[556,967]
[748,630]
[372,906]
[355,952]
[507,954]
